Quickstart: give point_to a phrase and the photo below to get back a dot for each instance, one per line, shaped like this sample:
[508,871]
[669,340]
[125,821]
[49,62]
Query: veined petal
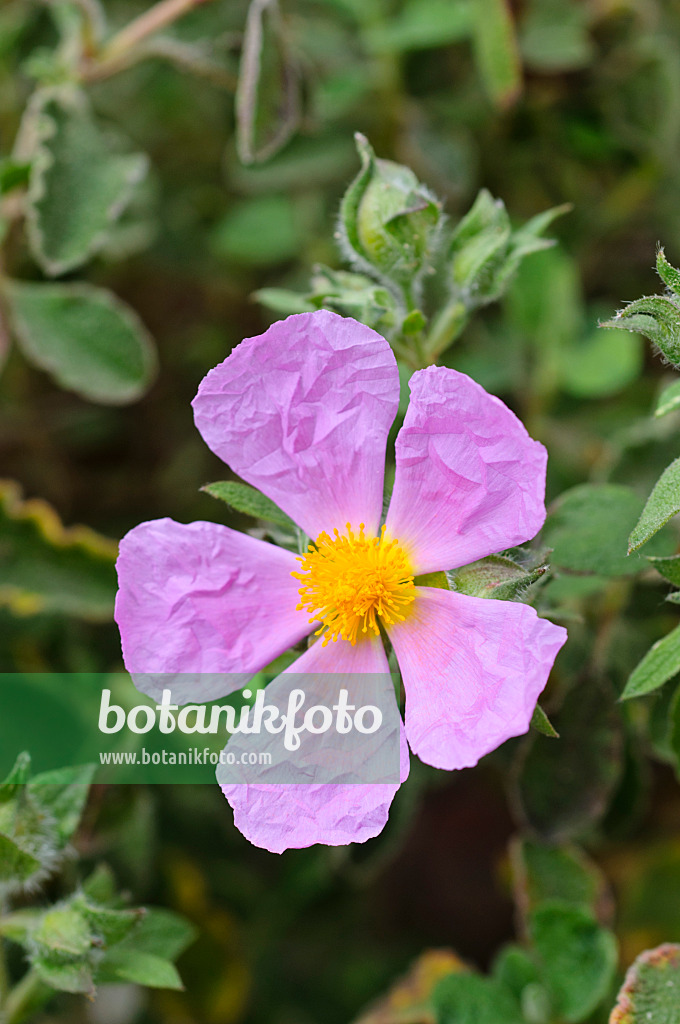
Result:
[302,412]
[281,817]
[469,480]
[473,669]
[204,599]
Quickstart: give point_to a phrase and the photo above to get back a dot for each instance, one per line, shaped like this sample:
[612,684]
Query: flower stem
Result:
[119,52]
[29,995]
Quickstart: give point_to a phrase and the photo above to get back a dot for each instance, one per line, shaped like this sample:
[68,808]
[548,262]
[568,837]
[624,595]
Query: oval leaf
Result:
[662,505]
[660,663]
[79,185]
[87,339]
[651,992]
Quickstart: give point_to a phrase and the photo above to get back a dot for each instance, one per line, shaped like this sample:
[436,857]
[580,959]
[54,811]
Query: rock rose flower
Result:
[303,412]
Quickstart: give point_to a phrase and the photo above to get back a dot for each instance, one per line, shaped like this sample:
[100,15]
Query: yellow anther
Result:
[351,581]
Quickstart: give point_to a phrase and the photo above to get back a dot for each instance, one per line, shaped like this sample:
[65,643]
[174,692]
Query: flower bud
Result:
[389,222]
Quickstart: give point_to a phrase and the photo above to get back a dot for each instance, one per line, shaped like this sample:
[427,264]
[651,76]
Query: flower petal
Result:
[469,480]
[282,817]
[204,599]
[473,669]
[302,412]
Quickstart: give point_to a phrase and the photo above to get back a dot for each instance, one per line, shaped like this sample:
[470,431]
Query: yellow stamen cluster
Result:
[350,581]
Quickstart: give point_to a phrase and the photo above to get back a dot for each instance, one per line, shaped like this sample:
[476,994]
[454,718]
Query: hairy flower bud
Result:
[389,222]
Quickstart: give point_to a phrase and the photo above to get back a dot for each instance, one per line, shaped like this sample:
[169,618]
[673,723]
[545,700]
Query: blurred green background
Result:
[549,102]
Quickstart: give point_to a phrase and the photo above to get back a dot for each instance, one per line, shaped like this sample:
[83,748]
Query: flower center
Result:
[350,581]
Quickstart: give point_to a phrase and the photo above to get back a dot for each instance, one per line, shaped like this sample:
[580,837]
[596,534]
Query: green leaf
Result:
[85,337]
[63,932]
[161,933]
[109,926]
[421,24]
[601,364]
[258,232]
[543,872]
[668,400]
[655,316]
[495,576]
[514,968]
[100,886]
[496,51]
[588,528]
[46,567]
[662,504]
[651,991]
[467,998]
[16,865]
[78,186]
[63,794]
[577,958]
[668,566]
[19,925]
[437,580]
[17,777]
[65,977]
[554,36]
[562,788]
[660,663]
[267,97]
[283,302]
[249,501]
[541,723]
[668,274]
[128,964]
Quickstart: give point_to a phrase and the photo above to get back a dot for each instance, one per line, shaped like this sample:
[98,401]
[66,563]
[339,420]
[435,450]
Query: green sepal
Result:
[249,501]
[495,576]
[541,723]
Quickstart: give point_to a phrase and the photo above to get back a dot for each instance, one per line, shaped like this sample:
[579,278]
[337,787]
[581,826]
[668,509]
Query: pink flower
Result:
[303,412]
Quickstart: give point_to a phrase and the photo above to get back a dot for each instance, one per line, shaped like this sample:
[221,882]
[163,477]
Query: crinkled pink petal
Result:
[469,479]
[278,817]
[204,599]
[302,412]
[473,669]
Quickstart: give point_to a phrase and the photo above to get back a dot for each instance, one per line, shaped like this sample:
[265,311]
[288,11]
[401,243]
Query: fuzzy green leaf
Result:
[544,872]
[668,400]
[660,663]
[131,964]
[588,529]
[577,958]
[651,991]
[46,567]
[495,576]
[248,500]
[63,794]
[78,186]
[16,865]
[73,977]
[161,933]
[563,788]
[496,51]
[668,274]
[655,316]
[267,97]
[541,723]
[467,998]
[85,337]
[668,566]
[662,504]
